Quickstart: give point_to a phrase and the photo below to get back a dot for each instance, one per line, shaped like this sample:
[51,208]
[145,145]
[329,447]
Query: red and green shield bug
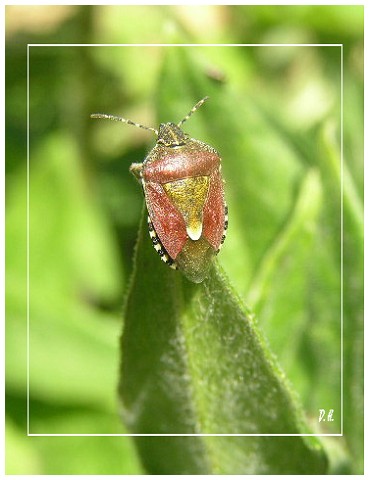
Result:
[184,195]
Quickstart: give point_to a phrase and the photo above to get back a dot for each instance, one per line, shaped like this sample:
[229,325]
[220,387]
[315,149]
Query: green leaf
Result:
[293,282]
[18,447]
[353,289]
[193,361]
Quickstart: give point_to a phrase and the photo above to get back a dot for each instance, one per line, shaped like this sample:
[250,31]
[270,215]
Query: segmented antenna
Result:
[124,120]
[194,109]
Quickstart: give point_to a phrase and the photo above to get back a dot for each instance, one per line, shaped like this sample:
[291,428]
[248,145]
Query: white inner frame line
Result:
[28,248]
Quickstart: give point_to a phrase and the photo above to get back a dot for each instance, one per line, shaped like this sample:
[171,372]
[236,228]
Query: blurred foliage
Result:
[274,114]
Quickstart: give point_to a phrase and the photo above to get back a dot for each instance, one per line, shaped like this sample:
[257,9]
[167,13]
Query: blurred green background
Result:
[276,122]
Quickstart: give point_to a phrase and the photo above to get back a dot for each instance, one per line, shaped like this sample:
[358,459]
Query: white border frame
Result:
[29,434]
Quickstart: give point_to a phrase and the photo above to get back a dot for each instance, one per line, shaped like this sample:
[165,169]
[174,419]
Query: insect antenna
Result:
[194,109]
[124,120]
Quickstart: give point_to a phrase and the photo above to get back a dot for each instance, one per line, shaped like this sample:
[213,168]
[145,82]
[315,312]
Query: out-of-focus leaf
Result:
[18,447]
[67,225]
[283,289]
[73,348]
[86,455]
[293,282]
[350,234]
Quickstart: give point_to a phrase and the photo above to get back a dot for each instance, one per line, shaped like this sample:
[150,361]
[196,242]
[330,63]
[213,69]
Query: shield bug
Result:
[184,195]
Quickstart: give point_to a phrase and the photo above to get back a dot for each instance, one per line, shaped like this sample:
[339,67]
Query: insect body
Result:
[184,194]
